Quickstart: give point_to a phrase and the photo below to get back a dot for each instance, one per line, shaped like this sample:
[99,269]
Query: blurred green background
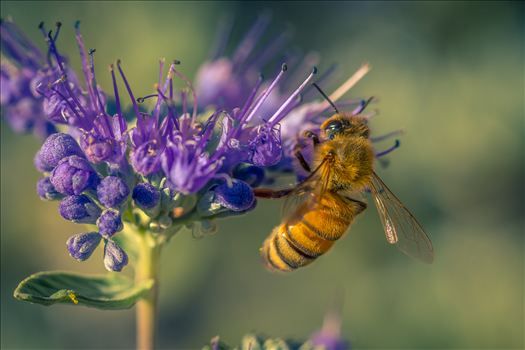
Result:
[450,73]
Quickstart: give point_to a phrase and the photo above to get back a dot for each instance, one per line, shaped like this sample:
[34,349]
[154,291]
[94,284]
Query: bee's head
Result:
[345,125]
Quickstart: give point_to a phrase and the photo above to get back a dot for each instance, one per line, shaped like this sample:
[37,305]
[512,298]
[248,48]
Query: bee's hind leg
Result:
[269,193]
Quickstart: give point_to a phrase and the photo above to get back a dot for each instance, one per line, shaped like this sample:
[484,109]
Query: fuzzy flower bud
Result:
[112,191]
[146,196]
[56,147]
[237,197]
[73,175]
[109,223]
[82,245]
[252,175]
[79,209]
[114,257]
[46,191]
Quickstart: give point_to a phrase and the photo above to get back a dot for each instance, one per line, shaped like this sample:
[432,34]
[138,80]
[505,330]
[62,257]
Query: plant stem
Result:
[147,268]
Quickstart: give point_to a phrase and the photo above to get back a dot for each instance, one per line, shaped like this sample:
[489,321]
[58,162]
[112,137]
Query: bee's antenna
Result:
[326,97]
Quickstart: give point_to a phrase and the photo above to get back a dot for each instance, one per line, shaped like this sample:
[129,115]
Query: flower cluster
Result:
[194,156]
[22,104]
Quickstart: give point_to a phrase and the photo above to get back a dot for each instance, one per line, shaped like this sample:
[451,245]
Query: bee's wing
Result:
[401,227]
[307,194]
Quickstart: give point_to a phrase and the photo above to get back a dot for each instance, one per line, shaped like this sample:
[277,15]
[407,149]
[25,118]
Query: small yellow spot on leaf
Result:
[73,298]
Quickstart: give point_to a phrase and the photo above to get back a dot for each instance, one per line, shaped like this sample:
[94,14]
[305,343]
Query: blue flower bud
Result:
[146,196]
[73,175]
[39,164]
[82,245]
[112,191]
[46,191]
[55,148]
[114,257]
[238,197]
[109,223]
[79,209]
[252,175]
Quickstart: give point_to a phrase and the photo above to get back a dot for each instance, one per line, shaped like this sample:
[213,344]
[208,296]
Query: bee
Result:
[320,209]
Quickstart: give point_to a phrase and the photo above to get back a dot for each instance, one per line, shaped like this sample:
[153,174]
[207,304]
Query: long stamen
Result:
[385,152]
[18,46]
[135,106]
[54,51]
[22,39]
[362,106]
[272,49]
[169,78]
[42,29]
[115,89]
[95,88]
[347,85]
[190,87]
[57,31]
[250,99]
[171,112]
[248,43]
[277,116]
[85,67]
[387,136]
[221,39]
[64,98]
[264,95]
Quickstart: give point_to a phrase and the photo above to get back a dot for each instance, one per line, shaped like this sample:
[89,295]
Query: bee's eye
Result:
[333,128]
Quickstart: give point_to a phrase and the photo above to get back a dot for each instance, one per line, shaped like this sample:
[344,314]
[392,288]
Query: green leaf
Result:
[111,291]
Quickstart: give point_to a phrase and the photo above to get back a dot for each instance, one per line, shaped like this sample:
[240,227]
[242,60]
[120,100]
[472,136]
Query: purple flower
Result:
[329,337]
[73,175]
[23,109]
[112,191]
[226,82]
[79,209]
[56,147]
[82,245]
[114,257]
[236,196]
[46,190]
[146,196]
[265,146]
[109,223]
[188,167]
[145,159]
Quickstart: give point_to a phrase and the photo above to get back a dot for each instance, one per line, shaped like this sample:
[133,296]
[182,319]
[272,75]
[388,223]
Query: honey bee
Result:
[319,210]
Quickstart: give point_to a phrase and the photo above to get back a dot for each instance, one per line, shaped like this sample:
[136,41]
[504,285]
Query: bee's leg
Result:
[300,158]
[269,193]
[361,205]
[313,136]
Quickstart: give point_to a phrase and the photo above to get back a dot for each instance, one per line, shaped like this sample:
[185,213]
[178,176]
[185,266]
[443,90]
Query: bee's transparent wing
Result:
[307,194]
[401,227]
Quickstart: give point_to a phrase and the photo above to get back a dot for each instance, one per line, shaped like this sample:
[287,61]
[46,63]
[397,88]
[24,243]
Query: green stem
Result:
[147,268]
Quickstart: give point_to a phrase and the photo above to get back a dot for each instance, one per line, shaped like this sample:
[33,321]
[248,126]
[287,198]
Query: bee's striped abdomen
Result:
[290,246]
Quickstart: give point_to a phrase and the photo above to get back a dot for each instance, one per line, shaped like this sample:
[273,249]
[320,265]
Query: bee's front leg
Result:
[300,158]
[311,135]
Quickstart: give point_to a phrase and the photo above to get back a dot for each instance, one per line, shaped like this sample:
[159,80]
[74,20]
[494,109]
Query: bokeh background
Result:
[450,73]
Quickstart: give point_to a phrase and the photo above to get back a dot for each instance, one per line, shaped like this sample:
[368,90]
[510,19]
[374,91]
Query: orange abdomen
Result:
[295,244]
